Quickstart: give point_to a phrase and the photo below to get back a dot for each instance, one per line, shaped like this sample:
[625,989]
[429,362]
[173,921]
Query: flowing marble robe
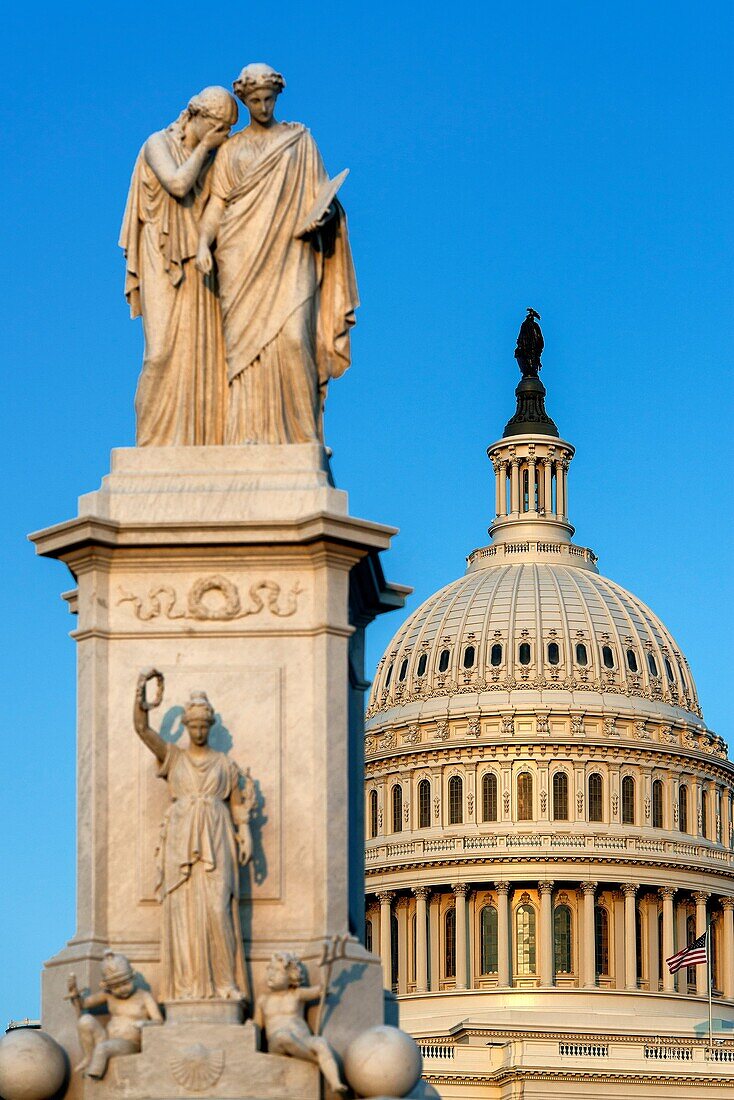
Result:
[287,303]
[182,391]
[198,869]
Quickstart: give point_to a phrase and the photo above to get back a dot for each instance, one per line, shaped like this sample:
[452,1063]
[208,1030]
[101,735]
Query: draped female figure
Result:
[204,838]
[287,284]
[181,395]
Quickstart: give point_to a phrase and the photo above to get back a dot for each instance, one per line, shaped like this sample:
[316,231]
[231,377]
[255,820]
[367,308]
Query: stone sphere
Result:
[383,1061]
[32,1065]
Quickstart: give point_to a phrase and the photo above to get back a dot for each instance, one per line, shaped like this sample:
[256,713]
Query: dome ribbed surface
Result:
[450,643]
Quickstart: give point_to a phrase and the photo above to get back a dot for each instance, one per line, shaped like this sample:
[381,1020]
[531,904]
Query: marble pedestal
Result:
[219,1061]
[236,570]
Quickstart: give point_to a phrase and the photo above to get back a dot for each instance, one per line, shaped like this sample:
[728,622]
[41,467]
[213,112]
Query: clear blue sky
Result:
[571,156]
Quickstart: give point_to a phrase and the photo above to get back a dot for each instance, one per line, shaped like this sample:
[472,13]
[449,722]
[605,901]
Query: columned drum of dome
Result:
[567,818]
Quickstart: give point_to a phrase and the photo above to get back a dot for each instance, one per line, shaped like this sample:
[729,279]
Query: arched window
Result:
[424,804]
[489,797]
[582,657]
[690,938]
[524,797]
[631,660]
[443,660]
[488,939]
[657,804]
[397,808]
[373,814]
[560,797]
[607,656]
[394,957]
[562,959]
[450,943]
[525,940]
[388,678]
[628,800]
[683,808]
[601,940]
[652,664]
[422,662]
[403,670]
[596,806]
[523,653]
[456,800]
[495,657]
[368,934]
[554,653]
[469,655]
[669,670]
[705,814]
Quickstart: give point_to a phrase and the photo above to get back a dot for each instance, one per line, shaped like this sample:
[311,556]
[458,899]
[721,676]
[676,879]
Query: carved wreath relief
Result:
[162,601]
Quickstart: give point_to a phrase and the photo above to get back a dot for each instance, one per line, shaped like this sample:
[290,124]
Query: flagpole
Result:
[708,973]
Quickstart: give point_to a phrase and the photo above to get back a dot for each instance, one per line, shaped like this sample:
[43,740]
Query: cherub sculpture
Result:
[129,1009]
[281,1013]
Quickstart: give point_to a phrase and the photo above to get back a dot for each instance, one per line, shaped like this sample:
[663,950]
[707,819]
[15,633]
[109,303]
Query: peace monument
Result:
[221,594]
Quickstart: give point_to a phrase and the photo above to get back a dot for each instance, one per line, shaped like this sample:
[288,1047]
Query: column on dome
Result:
[667,894]
[629,889]
[434,974]
[700,899]
[515,486]
[503,933]
[401,912]
[532,498]
[421,941]
[385,899]
[652,931]
[588,968]
[727,961]
[548,486]
[546,933]
[562,487]
[500,474]
[461,889]
[725,818]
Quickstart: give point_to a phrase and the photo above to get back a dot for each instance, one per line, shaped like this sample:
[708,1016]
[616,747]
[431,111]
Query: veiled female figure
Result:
[181,396]
[286,278]
[204,838]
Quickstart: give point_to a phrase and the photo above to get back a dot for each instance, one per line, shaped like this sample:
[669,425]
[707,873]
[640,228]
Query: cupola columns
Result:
[531,489]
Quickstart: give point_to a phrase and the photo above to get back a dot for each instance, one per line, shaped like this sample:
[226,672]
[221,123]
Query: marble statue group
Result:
[237,258]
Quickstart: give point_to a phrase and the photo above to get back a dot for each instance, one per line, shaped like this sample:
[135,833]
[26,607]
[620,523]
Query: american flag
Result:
[692,955]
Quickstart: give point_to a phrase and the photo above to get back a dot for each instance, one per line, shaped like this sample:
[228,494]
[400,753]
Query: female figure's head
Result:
[198,717]
[213,108]
[258,86]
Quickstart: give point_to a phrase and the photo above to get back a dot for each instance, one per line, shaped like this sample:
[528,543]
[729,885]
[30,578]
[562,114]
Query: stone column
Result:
[421,944]
[727,960]
[546,933]
[667,893]
[629,889]
[434,943]
[503,933]
[532,498]
[500,487]
[515,486]
[548,486]
[589,959]
[385,898]
[460,889]
[700,899]
[681,917]
[401,911]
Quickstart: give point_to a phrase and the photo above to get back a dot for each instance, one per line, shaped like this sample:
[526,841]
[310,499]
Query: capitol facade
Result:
[548,818]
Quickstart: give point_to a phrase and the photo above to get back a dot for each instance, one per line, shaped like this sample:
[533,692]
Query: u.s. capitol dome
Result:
[548,817]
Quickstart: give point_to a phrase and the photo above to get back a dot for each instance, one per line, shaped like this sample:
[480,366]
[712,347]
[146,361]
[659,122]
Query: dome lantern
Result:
[531,464]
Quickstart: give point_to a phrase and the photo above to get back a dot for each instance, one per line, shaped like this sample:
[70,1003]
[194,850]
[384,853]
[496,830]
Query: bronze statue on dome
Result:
[530,345]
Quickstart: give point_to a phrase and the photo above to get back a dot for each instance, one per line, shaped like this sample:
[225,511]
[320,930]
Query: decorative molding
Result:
[162,601]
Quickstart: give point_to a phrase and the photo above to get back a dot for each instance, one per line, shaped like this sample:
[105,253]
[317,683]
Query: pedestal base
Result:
[218,1061]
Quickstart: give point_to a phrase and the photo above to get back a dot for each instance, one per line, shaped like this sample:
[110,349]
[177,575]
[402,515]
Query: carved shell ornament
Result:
[197,1067]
